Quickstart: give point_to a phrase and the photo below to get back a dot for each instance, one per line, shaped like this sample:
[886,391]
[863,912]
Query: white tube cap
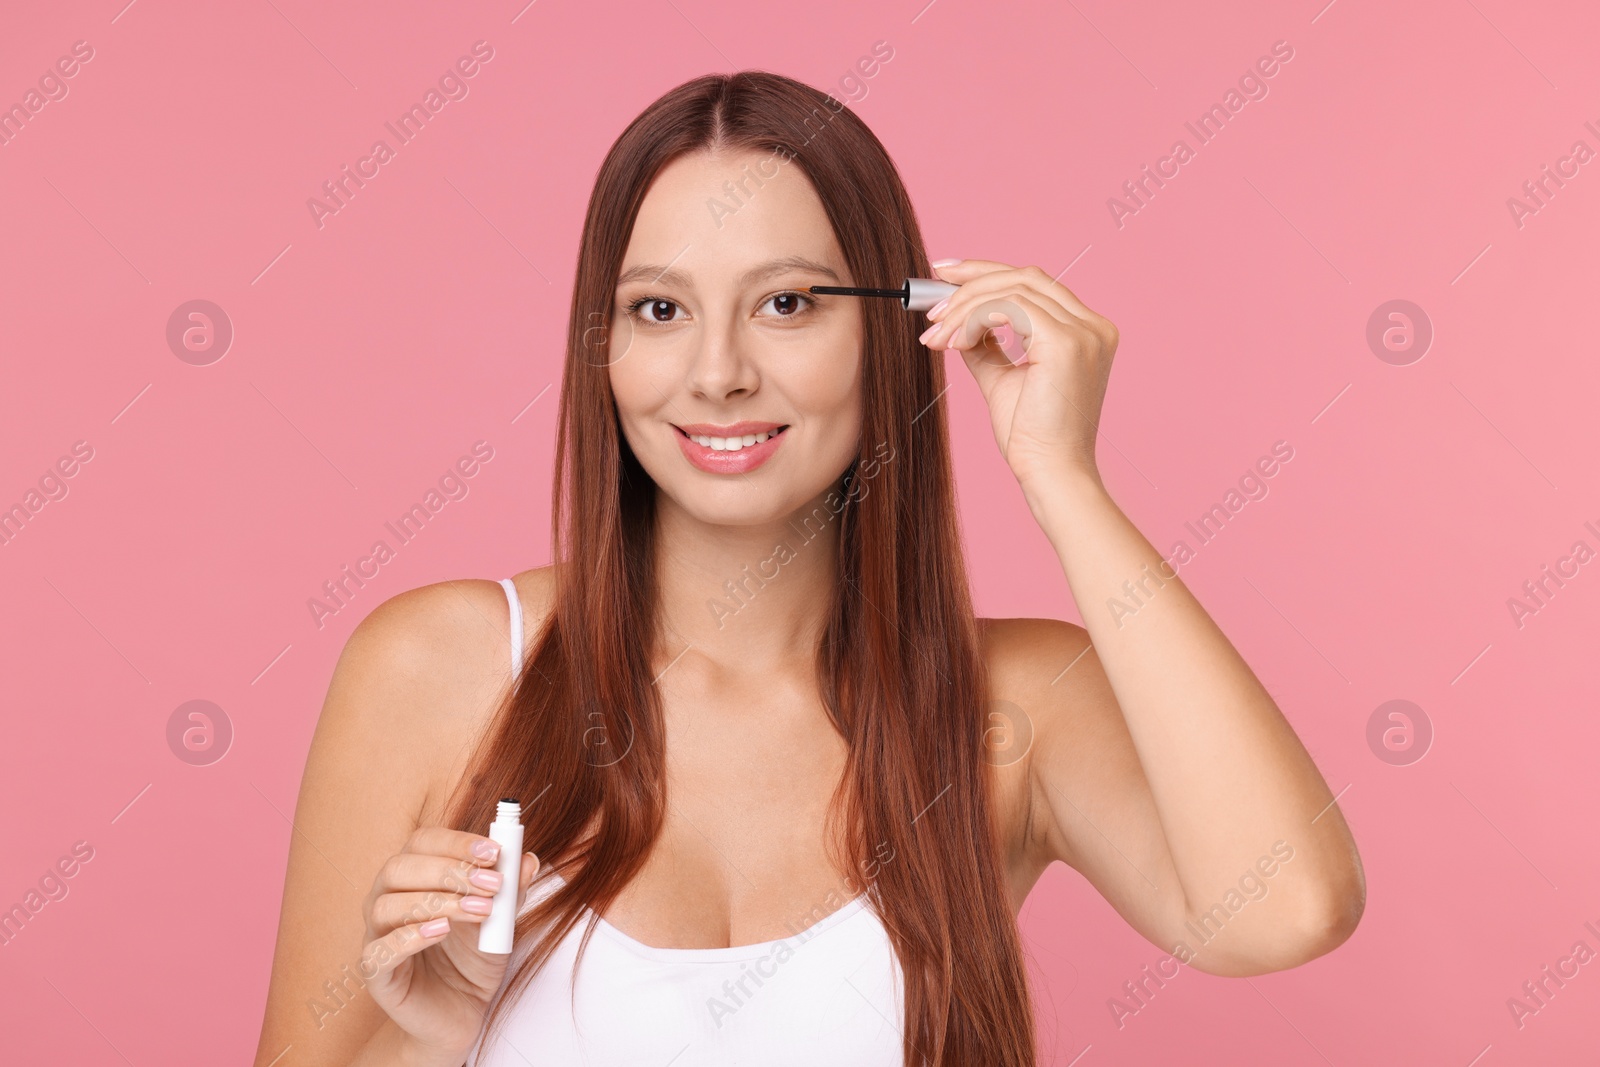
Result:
[923,293]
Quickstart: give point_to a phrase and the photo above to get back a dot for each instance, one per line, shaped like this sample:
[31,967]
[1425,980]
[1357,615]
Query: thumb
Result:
[529,872]
[982,353]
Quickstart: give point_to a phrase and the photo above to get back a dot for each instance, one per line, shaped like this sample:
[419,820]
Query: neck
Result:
[751,597]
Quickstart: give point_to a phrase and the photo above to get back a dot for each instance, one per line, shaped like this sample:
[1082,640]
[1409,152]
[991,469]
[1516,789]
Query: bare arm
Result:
[1163,770]
[1166,774]
[406,689]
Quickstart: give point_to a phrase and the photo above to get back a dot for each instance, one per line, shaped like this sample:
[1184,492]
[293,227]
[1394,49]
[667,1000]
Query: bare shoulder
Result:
[1023,649]
[416,681]
[423,672]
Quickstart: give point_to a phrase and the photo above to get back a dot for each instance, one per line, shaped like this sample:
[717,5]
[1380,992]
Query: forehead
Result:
[720,215]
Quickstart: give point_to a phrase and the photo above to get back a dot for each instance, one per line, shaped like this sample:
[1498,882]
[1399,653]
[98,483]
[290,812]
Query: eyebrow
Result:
[656,272]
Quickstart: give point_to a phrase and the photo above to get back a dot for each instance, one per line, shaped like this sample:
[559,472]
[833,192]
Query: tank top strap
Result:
[516,624]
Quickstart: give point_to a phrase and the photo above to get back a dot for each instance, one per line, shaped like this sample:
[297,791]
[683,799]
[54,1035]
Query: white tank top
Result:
[831,993]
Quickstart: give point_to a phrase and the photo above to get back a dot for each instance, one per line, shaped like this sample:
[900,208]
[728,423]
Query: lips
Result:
[742,460]
[734,429]
[731,439]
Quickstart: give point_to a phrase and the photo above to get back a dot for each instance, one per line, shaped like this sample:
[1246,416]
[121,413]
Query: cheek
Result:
[829,404]
[637,381]
[634,399]
[831,388]
[620,338]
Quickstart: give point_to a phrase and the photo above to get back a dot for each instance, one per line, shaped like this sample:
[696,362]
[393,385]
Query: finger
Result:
[394,910]
[964,270]
[384,954]
[1030,280]
[974,338]
[458,844]
[409,871]
[988,363]
[971,323]
[993,275]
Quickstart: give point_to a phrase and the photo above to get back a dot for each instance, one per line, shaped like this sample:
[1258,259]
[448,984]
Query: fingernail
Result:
[929,332]
[945,262]
[940,306]
[485,850]
[434,928]
[485,879]
[477,905]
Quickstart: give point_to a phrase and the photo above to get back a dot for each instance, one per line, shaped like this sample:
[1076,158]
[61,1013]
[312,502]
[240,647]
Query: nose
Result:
[720,366]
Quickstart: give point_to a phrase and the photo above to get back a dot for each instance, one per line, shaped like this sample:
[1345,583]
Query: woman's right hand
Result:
[422,919]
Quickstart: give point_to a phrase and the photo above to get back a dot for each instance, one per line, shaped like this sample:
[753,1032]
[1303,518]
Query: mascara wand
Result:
[918,294]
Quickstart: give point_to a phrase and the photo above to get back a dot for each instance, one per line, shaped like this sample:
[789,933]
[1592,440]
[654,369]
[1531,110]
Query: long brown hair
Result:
[899,668]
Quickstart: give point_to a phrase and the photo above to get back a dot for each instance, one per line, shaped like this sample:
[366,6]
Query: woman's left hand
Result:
[1046,410]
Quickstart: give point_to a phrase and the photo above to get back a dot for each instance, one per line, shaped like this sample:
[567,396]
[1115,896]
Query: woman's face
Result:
[708,333]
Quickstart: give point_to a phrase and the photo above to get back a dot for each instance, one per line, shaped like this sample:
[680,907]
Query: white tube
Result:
[499,928]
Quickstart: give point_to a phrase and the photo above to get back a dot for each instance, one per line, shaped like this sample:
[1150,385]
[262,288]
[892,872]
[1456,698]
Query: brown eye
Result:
[789,304]
[653,310]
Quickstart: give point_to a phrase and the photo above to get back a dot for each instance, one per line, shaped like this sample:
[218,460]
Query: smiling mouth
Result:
[731,444]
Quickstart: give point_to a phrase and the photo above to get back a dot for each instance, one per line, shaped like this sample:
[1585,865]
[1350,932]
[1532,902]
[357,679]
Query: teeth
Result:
[729,444]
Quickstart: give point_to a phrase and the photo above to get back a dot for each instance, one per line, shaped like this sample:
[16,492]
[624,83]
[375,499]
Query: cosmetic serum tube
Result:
[500,927]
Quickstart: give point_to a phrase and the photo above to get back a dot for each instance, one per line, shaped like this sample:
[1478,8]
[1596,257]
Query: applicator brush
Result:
[918,294]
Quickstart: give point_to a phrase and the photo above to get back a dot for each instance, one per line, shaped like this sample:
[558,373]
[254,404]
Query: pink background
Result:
[370,353]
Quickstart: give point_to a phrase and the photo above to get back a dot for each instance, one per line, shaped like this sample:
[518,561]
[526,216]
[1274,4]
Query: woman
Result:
[780,787]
